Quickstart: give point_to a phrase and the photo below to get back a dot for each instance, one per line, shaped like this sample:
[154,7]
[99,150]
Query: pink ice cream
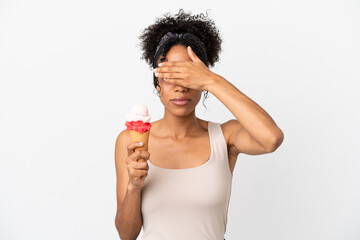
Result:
[138,119]
[139,112]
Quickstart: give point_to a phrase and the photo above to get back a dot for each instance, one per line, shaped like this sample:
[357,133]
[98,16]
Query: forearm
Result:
[128,219]
[250,115]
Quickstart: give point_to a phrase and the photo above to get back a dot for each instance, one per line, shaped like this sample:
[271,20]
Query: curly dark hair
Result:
[199,25]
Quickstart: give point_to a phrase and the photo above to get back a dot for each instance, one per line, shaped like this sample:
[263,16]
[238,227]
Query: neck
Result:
[179,127]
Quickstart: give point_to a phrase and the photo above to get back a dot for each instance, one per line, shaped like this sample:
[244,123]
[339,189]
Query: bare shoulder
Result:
[123,138]
[230,127]
[122,141]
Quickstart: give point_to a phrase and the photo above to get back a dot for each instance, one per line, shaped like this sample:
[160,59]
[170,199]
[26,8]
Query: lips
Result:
[180,101]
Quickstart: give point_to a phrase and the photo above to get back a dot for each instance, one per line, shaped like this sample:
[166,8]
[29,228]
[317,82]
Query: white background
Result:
[70,70]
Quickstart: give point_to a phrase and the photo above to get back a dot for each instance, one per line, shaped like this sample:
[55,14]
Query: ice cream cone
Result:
[140,137]
[138,123]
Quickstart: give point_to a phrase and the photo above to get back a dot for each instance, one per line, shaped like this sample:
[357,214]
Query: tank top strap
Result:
[218,142]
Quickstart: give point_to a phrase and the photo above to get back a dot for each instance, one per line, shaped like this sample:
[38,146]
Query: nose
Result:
[179,88]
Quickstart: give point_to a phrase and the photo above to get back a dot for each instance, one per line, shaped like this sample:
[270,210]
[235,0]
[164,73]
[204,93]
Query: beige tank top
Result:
[190,203]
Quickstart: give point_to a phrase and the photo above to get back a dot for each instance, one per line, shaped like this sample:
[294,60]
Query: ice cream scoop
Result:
[138,123]
[138,119]
[139,112]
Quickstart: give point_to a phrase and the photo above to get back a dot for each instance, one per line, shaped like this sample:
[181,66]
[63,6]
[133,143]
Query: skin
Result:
[177,140]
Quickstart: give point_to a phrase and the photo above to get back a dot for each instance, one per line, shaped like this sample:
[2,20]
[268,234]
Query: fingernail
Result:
[157,74]
[160,64]
[140,143]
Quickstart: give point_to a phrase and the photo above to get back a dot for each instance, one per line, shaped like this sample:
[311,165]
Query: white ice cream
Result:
[139,112]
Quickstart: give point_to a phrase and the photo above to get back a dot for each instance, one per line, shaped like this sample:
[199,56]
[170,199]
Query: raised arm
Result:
[253,131]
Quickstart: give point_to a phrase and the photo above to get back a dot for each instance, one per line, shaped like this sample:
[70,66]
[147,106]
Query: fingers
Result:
[138,154]
[170,69]
[138,165]
[172,75]
[175,81]
[132,146]
[192,55]
[173,64]
[173,67]
[136,174]
[137,170]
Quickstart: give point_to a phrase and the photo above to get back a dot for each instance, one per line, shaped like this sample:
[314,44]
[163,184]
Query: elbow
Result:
[275,141]
[118,228]
[123,236]
[117,225]
[124,232]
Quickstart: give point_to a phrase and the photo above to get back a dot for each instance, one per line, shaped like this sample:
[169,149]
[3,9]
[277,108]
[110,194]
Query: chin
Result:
[181,112]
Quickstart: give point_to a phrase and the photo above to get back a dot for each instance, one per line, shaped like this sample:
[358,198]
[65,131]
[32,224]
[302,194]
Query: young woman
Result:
[182,191]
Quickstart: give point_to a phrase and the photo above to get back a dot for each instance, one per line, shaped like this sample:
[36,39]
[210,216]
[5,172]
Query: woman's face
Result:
[176,99]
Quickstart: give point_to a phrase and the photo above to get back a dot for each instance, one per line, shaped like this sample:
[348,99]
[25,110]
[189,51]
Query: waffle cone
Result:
[140,137]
